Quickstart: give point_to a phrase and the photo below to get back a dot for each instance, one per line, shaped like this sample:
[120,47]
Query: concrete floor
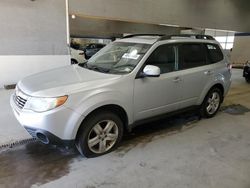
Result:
[181,151]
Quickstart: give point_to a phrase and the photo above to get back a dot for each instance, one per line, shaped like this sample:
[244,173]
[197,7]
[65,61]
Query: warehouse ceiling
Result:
[101,28]
[216,14]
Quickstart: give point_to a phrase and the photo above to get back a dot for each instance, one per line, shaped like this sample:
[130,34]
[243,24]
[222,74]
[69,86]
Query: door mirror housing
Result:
[151,71]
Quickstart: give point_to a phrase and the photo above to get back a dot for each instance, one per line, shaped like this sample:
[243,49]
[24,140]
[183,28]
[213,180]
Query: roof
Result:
[152,38]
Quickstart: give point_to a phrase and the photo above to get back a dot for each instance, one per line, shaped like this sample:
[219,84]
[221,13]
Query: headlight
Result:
[38,104]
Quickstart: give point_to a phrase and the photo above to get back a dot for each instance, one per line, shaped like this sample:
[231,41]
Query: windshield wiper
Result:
[93,67]
[99,69]
[125,65]
[84,65]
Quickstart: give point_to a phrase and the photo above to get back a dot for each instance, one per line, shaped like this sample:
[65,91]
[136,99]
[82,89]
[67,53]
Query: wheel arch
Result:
[73,59]
[205,92]
[116,109]
[219,86]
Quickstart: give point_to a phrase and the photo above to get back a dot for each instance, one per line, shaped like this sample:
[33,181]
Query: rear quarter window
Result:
[214,54]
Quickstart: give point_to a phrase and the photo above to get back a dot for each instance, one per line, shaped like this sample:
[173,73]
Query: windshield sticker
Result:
[130,56]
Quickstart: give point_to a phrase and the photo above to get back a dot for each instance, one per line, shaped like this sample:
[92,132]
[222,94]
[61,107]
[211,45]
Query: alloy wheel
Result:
[103,136]
[213,103]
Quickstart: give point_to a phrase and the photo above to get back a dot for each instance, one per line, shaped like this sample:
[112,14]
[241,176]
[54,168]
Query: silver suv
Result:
[130,81]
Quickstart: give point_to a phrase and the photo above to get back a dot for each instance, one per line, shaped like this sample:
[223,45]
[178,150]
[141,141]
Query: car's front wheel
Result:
[73,62]
[211,103]
[100,133]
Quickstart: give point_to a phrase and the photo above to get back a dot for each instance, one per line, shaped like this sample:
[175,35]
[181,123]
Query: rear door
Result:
[194,71]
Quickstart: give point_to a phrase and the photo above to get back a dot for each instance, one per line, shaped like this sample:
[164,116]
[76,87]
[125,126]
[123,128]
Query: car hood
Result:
[63,81]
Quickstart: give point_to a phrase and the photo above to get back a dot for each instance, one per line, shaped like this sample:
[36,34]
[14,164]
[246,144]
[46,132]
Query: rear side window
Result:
[164,58]
[191,55]
[214,53]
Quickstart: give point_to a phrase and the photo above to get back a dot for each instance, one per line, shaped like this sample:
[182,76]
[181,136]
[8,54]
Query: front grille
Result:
[20,98]
[20,102]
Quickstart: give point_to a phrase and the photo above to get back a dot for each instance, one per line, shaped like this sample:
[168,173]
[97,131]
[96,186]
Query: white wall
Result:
[33,27]
[33,37]
[15,67]
[241,50]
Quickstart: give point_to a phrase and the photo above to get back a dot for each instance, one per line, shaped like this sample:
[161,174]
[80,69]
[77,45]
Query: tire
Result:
[92,141]
[211,103]
[247,79]
[73,62]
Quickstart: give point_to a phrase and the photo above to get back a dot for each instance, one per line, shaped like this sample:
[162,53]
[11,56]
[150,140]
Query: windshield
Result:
[117,58]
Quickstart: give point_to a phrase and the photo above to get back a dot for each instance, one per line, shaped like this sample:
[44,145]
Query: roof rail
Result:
[167,37]
[141,35]
[204,37]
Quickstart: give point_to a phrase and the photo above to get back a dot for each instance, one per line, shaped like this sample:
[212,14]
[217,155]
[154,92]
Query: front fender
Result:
[97,99]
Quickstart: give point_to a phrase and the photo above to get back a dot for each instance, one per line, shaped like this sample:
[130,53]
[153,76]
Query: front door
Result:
[156,96]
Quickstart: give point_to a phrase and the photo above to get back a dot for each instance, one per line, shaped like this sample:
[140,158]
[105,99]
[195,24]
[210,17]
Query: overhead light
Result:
[73,16]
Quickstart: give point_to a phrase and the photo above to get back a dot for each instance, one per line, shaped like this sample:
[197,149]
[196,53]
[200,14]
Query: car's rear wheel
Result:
[211,103]
[100,133]
[247,79]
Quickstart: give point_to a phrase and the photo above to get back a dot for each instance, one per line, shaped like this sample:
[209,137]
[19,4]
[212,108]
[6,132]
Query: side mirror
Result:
[151,71]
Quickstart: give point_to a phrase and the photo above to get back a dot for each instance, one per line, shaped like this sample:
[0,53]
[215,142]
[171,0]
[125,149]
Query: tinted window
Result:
[214,53]
[100,45]
[191,55]
[164,58]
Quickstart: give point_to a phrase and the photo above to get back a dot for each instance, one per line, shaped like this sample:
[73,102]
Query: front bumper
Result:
[59,125]
[48,138]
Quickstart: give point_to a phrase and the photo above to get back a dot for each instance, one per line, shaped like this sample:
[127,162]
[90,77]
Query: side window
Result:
[164,58]
[214,53]
[100,46]
[191,55]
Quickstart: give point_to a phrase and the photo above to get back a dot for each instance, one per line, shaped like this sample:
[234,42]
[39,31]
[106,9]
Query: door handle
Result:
[209,72]
[177,79]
